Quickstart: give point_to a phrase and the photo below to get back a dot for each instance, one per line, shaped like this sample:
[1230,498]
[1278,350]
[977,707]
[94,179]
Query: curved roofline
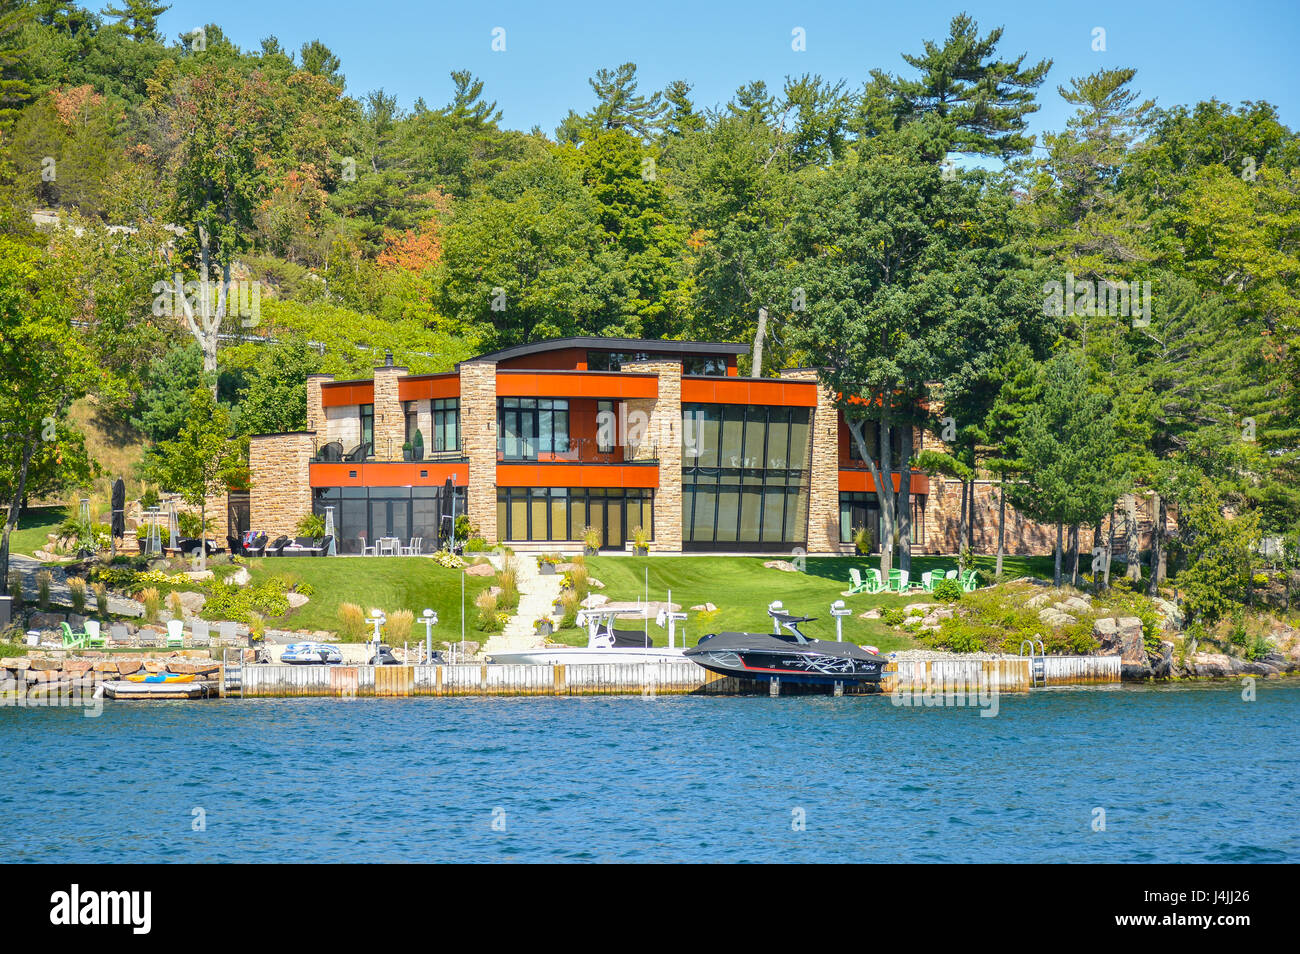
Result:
[612,344]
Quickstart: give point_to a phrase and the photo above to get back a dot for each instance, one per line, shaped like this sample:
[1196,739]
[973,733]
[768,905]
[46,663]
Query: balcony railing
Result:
[586,451]
[381,452]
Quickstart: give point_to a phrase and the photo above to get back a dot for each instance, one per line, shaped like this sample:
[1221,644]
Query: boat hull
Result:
[759,657]
[577,656]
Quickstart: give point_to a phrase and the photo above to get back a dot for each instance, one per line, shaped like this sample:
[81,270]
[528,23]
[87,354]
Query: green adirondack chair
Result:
[928,580]
[870,584]
[898,581]
[856,583]
[72,640]
[969,581]
[95,638]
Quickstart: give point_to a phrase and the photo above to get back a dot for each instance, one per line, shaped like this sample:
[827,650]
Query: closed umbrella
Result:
[117,519]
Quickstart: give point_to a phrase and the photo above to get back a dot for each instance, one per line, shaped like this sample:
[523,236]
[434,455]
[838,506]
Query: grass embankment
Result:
[34,525]
[388,583]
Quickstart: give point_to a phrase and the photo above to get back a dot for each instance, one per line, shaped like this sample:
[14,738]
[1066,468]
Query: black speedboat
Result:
[790,656]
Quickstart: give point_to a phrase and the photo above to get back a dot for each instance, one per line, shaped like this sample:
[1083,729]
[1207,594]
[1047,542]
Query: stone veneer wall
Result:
[478,425]
[315,403]
[824,471]
[663,439]
[280,495]
[390,422]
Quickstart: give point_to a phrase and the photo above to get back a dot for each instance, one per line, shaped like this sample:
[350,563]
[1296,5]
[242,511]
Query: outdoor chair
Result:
[119,634]
[898,581]
[199,629]
[367,551]
[856,583]
[149,640]
[277,546]
[228,635]
[413,549]
[303,546]
[359,453]
[94,638]
[950,575]
[175,634]
[333,451]
[72,640]
[928,579]
[969,581]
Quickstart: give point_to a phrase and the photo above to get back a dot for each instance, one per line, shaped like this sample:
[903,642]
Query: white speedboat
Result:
[605,643]
[311,654]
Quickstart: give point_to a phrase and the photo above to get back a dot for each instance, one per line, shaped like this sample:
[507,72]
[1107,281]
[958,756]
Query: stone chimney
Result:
[315,404]
[390,422]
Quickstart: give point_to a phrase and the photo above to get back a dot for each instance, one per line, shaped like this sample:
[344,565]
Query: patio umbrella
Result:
[173,527]
[119,508]
[447,511]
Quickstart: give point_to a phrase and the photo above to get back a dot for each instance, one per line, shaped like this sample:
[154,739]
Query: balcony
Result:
[334,452]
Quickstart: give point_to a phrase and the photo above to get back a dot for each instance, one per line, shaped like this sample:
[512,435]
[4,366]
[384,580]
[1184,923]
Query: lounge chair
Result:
[119,634]
[94,638]
[303,546]
[72,640]
[256,545]
[276,546]
[175,634]
[359,453]
[333,451]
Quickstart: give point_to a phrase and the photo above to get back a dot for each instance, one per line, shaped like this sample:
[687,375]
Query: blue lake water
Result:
[1183,773]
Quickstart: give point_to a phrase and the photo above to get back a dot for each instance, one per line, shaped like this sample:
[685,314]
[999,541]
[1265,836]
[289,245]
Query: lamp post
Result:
[378,620]
[430,621]
[839,611]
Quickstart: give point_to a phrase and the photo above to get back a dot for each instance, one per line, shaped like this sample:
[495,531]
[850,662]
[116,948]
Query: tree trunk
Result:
[1157,543]
[1133,570]
[970,516]
[15,510]
[1002,524]
[203,537]
[884,490]
[905,502]
[961,529]
[1057,577]
[1074,555]
[756,362]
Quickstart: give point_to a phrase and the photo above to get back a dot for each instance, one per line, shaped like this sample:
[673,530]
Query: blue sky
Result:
[1184,51]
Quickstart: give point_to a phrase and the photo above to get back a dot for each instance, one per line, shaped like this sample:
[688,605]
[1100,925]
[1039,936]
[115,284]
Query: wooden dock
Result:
[1007,674]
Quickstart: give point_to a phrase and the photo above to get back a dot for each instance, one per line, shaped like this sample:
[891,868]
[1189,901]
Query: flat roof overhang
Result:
[859,481]
[772,392]
[597,343]
[577,384]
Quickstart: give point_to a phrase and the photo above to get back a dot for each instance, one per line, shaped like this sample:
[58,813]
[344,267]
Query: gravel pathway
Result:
[59,593]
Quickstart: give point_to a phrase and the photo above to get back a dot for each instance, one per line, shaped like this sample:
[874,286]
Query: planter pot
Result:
[546,569]
[544,629]
[640,551]
[406,453]
[591,551]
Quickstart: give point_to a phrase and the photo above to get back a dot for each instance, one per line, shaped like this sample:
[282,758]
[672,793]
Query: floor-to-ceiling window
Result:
[446,424]
[564,513]
[863,510]
[744,477]
[527,427]
[374,512]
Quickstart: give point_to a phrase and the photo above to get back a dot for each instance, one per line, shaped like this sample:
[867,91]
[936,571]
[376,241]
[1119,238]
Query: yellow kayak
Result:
[160,677]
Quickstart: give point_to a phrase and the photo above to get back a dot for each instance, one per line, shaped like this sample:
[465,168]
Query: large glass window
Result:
[563,514]
[744,477]
[691,364]
[859,510]
[374,512]
[530,426]
[446,424]
[368,426]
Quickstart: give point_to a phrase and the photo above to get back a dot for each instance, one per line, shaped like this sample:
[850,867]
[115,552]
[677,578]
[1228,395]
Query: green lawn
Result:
[390,583]
[33,525]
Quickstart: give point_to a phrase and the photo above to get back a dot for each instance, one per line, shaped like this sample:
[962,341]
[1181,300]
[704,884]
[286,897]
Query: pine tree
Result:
[138,18]
[977,103]
[14,89]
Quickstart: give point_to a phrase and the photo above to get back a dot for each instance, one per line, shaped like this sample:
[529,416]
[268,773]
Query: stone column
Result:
[279,493]
[662,439]
[824,469]
[390,422]
[316,404]
[478,436]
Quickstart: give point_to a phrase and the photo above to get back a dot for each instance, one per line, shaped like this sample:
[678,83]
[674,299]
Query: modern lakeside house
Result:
[545,439]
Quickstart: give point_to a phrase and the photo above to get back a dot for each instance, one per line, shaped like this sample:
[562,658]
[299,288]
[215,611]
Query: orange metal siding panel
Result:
[761,392]
[389,474]
[344,395]
[577,475]
[859,481]
[568,384]
[435,388]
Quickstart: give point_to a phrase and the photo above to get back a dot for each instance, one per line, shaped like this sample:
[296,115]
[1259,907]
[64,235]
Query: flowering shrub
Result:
[448,559]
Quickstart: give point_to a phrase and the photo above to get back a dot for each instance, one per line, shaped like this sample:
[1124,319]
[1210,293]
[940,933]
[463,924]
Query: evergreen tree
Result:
[138,18]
